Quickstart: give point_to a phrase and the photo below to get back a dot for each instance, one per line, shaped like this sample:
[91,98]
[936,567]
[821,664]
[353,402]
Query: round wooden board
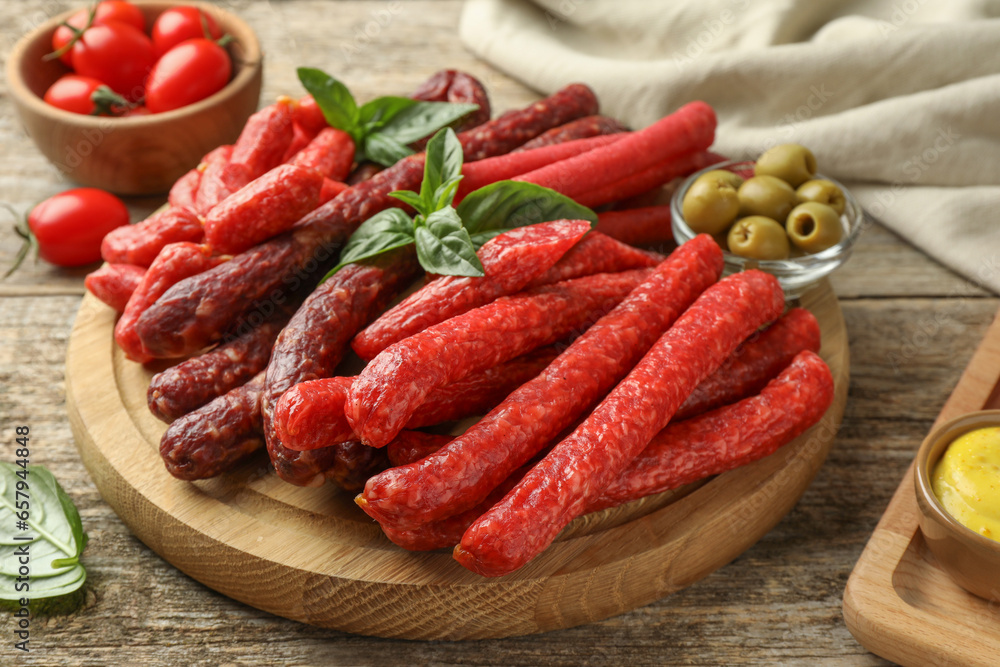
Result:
[310,555]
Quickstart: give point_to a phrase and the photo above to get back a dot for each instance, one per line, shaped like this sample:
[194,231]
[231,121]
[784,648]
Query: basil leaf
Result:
[442,165]
[53,523]
[444,247]
[412,199]
[445,194]
[384,231]
[378,112]
[423,118]
[384,150]
[333,98]
[509,204]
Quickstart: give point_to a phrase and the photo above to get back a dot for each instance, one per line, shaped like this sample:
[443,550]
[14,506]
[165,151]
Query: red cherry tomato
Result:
[69,227]
[117,54]
[179,24]
[86,95]
[109,10]
[72,92]
[189,72]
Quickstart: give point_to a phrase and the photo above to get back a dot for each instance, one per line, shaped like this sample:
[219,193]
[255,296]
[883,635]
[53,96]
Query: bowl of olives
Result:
[776,214]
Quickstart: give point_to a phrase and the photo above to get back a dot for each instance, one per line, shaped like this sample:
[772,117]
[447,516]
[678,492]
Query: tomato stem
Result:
[21,229]
[77,34]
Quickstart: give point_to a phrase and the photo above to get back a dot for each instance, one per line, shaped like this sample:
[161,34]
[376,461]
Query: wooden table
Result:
[913,326]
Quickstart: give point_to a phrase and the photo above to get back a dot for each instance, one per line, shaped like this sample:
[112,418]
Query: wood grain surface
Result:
[912,327]
[899,601]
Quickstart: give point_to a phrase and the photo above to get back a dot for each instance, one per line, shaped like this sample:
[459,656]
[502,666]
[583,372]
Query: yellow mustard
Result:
[967,481]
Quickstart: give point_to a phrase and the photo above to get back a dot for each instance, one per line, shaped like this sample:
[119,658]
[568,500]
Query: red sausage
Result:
[510,261]
[114,283]
[729,437]
[264,208]
[264,139]
[637,226]
[140,243]
[310,415]
[184,191]
[579,468]
[410,446]
[597,253]
[463,473]
[175,262]
[755,362]
[390,388]
[219,179]
[330,154]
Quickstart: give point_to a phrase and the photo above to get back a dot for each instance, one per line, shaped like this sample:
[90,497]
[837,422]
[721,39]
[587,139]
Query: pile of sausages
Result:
[603,372]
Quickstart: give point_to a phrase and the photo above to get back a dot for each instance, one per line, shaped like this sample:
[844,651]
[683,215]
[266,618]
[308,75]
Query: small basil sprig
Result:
[447,238]
[33,495]
[383,127]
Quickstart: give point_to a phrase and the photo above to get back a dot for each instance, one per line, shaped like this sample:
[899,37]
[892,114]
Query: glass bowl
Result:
[796,274]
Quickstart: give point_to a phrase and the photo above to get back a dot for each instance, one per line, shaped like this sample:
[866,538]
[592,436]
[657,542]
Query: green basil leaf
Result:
[378,112]
[412,199]
[444,246]
[55,526]
[510,204]
[334,100]
[385,150]
[445,194]
[384,231]
[424,118]
[442,165]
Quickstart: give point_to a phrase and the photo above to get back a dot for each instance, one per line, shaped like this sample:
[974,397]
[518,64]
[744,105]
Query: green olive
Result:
[758,237]
[710,206]
[767,196]
[814,227]
[723,175]
[792,163]
[824,192]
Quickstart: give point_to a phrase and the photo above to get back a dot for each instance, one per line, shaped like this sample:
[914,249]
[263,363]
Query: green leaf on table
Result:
[444,246]
[384,231]
[54,526]
[382,149]
[334,100]
[506,205]
[423,118]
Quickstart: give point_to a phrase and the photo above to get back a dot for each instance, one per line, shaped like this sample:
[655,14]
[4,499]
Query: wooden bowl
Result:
[138,155]
[972,560]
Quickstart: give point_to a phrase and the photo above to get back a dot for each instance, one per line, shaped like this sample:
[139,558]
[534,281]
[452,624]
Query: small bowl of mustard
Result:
[957,480]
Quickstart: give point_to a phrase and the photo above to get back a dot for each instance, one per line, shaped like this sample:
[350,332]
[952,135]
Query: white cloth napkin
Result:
[898,98]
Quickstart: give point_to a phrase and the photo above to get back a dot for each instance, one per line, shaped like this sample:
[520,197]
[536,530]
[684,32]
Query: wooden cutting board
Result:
[311,555]
[899,603]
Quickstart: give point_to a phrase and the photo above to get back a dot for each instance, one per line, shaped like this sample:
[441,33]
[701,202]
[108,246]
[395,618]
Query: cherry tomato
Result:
[179,24]
[109,10]
[86,95]
[117,54]
[189,72]
[69,227]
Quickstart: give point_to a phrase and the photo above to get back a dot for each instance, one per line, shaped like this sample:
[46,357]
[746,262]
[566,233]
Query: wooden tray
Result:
[312,556]
[899,603]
